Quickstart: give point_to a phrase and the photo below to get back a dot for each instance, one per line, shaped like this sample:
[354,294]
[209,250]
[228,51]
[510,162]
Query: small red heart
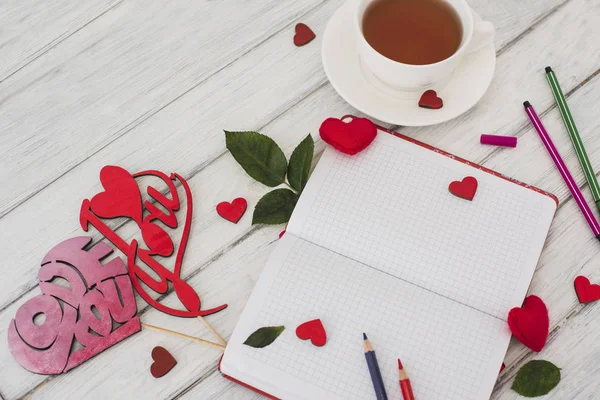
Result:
[429,99]
[464,189]
[348,137]
[163,362]
[232,211]
[586,292]
[530,323]
[121,196]
[303,35]
[314,331]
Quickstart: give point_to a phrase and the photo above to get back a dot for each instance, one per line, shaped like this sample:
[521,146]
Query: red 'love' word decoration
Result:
[122,198]
[99,296]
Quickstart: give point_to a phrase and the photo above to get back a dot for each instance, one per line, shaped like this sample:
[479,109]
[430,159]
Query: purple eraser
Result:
[495,140]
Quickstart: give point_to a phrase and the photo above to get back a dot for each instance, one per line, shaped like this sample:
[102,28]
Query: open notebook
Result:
[377,244]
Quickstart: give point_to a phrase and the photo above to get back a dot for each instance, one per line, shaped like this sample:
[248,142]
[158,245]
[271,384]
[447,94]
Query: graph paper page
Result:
[451,351]
[389,207]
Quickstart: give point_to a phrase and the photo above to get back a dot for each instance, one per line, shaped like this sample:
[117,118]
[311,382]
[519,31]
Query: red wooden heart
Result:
[121,196]
[314,331]
[464,189]
[530,323]
[429,99]
[348,137]
[232,211]
[163,362]
[586,292]
[303,35]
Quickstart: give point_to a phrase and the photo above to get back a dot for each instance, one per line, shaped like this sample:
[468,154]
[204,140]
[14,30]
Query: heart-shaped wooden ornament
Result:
[586,292]
[530,323]
[430,99]
[121,196]
[232,211]
[464,189]
[303,35]
[163,362]
[348,137]
[313,330]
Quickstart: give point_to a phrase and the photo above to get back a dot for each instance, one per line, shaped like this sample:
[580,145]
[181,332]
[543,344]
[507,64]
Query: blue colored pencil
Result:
[374,370]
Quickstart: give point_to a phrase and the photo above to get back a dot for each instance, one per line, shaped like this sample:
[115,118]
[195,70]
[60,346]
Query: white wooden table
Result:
[152,84]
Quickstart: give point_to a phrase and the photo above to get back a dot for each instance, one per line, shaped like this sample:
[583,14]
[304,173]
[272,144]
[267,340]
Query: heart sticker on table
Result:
[121,196]
[348,137]
[304,35]
[586,292]
[530,323]
[163,362]
[464,189]
[430,100]
[232,211]
[313,330]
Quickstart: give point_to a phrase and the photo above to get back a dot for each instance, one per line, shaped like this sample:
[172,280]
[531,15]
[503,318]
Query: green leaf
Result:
[264,336]
[259,155]
[300,163]
[536,378]
[275,207]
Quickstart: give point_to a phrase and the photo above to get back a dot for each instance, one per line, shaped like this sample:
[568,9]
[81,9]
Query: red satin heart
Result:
[121,196]
[429,99]
[464,189]
[163,362]
[232,211]
[586,292]
[303,35]
[348,137]
[530,323]
[313,330]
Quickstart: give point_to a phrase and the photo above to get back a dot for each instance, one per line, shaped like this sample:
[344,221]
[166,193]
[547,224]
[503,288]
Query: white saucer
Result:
[364,92]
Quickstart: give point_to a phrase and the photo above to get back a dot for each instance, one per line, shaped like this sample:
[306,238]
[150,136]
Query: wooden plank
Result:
[30,27]
[214,386]
[180,138]
[122,68]
[134,61]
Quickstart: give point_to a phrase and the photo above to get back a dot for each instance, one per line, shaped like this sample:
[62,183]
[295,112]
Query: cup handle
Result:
[483,33]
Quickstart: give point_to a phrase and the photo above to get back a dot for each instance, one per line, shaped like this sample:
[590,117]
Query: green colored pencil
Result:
[590,175]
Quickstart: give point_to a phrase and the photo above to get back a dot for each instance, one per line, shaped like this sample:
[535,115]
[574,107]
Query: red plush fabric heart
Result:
[121,196]
[232,211]
[349,138]
[530,323]
[163,362]
[303,35]
[464,189]
[586,292]
[429,99]
[313,330]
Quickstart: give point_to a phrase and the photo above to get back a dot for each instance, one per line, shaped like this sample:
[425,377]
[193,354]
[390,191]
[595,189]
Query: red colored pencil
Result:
[405,386]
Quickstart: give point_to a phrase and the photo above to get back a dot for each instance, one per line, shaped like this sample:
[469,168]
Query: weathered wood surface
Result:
[152,85]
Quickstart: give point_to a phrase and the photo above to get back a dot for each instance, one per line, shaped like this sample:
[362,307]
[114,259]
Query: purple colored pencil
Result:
[562,168]
[496,140]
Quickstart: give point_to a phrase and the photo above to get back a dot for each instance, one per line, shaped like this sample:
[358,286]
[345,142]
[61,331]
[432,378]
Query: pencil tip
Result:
[548,70]
[526,104]
[400,364]
[364,336]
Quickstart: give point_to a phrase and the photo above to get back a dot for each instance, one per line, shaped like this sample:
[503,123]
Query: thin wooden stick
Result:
[195,339]
[210,328]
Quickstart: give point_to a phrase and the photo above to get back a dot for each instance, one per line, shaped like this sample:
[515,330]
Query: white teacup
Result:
[407,77]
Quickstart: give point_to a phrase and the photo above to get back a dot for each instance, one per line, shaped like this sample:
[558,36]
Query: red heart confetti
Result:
[348,137]
[530,323]
[121,196]
[586,292]
[313,330]
[464,189]
[163,362]
[232,211]
[303,35]
[429,99]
